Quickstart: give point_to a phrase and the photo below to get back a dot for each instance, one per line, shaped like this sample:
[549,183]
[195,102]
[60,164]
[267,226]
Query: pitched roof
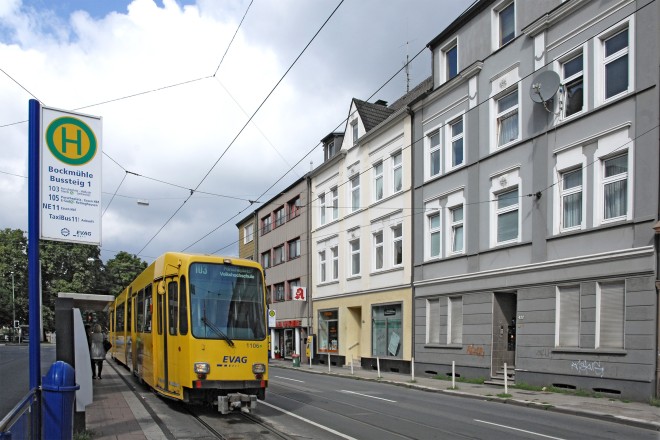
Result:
[371,114]
[417,91]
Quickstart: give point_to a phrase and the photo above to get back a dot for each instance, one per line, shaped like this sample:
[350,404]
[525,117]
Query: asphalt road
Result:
[15,372]
[354,409]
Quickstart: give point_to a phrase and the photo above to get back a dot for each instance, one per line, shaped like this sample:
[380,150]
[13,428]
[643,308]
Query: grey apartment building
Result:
[535,242]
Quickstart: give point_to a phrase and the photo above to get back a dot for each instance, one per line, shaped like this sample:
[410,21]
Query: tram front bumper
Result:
[234,401]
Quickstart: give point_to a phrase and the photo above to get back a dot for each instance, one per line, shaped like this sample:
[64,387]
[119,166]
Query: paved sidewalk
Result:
[116,412]
[638,414]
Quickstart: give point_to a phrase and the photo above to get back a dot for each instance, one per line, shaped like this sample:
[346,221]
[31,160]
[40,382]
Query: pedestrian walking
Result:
[97,352]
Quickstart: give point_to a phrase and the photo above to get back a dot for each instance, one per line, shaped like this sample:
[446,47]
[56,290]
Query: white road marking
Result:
[325,428]
[518,429]
[366,395]
[286,378]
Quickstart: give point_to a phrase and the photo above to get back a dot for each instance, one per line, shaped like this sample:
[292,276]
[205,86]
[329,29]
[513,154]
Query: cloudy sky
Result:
[176,97]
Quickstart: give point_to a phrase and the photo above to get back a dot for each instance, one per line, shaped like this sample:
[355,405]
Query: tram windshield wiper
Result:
[217,331]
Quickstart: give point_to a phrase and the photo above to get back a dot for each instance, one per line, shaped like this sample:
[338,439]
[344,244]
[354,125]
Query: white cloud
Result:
[177,133]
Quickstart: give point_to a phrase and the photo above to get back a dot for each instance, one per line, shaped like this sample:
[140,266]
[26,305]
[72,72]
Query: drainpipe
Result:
[656,228]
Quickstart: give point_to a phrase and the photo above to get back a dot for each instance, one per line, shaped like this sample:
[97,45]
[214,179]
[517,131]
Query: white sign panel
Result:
[70,176]
[299,293]
[272,318]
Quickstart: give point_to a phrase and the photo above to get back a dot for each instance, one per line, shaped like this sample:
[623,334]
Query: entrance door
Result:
[288,348]
[504,332]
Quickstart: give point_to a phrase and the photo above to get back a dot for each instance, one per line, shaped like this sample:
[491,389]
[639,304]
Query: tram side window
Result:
[148,307]
[120,317]
[183,308]
[129,314]
[172,306]
[140,311]
[159,312]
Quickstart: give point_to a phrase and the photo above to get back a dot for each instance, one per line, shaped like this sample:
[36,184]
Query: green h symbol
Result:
[77,141]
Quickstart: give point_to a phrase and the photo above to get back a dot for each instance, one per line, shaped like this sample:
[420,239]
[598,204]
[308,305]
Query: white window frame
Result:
[354,131]
[431,150]
[563,193]
[354,189]
[565,80]
[496,26]
[606,302]
[500,184]
[443,66]
[379,181]
[611,146]
[567,316]
[568,160]
[605,181]
[602,60]
[379,250]
[397,167]
[453,225]
[354,253]
[432,231]
[335,203]
[454,320]
[397,243]
[323,274]
[449,154]
[334,254]
[322,217]
[506,210]
[248,233]
[499,116]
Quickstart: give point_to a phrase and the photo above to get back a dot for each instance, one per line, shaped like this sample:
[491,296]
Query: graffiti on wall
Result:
[588,367]
[475,350]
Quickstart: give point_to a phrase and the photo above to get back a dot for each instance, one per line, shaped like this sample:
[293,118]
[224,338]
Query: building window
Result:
[567,323]
[279,217]
[507,216]
[334,253]
[265,259]
[322,268]
[278,255]
[354,129]
[455,320]
[456,142]
[355,193]
[572,72]
[434,153]
[433,321]
[610,307]
[293,208]
[386,330]
[615,187]
[378,250]
[335,203]
[397,245]
[330,150]
[397,171]
[434,234]
[451,62]
[507,118]
[265,225]
[507,24]
[279,292]
[354,246]
[294,248]
[328,331]
[457,238]
[322,208]
[378,180]
[248,233]
[571,199]
[616,64]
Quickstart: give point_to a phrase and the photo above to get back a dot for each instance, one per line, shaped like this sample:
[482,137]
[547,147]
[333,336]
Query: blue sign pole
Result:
[34,279]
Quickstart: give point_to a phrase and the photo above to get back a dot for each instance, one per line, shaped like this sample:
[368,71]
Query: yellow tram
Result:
[193,327]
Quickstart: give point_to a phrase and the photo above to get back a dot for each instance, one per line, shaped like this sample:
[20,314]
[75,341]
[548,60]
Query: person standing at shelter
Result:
[97,351]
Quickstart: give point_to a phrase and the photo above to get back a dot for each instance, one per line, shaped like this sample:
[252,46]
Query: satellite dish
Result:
[544,86]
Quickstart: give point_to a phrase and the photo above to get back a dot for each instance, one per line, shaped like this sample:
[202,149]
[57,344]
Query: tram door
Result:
[171,334]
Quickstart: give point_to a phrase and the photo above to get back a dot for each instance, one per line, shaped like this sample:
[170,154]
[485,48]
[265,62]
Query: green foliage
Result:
[65,267]
[654,402]
[504,395]
[476,380]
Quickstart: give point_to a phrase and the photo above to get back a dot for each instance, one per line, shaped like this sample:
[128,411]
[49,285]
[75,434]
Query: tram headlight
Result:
[258,368]
[202,368]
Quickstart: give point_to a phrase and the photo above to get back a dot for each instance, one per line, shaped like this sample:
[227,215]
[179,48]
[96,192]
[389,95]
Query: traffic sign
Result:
[70,176]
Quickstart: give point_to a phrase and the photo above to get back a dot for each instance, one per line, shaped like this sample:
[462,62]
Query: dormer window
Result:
[503,24]
[451,62]
[330,150]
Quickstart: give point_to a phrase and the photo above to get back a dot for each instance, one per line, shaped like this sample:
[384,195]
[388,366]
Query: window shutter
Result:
[456,311]
[611,314]
[433,319]
[569,316]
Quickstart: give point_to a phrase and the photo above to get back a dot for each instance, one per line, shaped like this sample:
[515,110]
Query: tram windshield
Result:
[226,302]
